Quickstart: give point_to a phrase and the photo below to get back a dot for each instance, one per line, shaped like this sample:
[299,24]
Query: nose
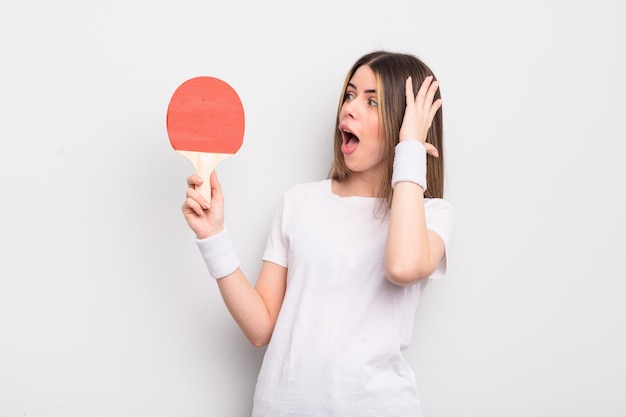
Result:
[349,109]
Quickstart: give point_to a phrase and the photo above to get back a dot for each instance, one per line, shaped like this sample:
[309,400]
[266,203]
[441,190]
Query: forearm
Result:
[407,253]
[247,307]
[254,310]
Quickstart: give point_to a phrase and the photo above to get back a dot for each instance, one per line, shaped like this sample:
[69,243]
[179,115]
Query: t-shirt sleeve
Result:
[440,218]
[276,247]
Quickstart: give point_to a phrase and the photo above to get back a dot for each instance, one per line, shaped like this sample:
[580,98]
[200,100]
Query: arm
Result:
[413,252]
[255,309]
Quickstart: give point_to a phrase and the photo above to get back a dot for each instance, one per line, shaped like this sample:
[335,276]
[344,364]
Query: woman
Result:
[346,257]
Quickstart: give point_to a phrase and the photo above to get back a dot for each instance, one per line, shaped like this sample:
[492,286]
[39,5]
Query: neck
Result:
[358,185]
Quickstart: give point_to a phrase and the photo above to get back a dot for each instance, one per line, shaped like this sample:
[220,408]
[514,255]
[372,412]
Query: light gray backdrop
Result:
[105,305]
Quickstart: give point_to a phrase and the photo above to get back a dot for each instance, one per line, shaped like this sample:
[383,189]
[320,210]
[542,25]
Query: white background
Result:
[105,305]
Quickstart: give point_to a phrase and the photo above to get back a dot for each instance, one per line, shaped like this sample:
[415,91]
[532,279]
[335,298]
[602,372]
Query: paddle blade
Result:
[205,114]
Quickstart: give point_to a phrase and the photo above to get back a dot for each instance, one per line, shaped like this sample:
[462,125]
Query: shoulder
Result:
[437,204]
[301,199]
[440,217]
[306,189]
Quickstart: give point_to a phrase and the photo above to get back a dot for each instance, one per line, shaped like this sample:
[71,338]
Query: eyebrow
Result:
[366,91]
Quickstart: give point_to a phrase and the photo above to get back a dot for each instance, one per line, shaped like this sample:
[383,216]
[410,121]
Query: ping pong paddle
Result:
[205,124]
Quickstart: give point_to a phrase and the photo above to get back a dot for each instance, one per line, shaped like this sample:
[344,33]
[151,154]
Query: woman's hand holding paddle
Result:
[205,218]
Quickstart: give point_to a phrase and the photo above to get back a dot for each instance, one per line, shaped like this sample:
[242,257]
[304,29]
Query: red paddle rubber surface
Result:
[205,114]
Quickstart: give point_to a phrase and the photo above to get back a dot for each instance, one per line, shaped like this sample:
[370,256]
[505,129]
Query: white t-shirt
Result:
[336,348]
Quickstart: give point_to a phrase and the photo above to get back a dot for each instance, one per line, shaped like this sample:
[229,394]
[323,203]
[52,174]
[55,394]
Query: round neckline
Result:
[327,185]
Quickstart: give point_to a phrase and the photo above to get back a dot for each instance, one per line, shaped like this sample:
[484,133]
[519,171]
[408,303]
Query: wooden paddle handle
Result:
[204,163]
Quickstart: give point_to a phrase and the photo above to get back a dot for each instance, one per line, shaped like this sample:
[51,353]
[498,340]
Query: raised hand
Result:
[203,217]
[419,113]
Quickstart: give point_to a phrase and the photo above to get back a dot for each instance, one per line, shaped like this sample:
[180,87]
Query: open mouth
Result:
[350,141]
[349,138]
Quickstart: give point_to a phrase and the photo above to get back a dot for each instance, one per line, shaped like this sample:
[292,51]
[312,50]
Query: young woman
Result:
[346,257]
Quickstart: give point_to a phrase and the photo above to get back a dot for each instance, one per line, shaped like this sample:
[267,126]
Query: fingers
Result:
[192,205]
[421,109]
[431,150]
[408,85]
[425,99]
[194,200]
[194,180]
[426,93]
[203,217]
[433,110]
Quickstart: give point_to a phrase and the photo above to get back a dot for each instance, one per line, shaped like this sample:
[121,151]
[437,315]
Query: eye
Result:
[372,102]
[348,96]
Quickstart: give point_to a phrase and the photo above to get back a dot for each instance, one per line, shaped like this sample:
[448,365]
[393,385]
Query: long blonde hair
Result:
[391,71]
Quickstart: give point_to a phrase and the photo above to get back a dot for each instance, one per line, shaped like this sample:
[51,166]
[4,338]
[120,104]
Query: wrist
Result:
[409,163]
[219,255]
[405,139]
[205,234]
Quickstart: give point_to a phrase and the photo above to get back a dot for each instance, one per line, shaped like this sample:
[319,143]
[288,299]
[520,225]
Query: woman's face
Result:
[362,145]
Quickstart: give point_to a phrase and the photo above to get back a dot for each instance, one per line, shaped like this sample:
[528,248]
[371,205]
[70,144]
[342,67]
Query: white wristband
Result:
[219,254]
[409,163]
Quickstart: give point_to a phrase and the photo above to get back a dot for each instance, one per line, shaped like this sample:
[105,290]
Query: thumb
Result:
[216,187]
[431,150]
